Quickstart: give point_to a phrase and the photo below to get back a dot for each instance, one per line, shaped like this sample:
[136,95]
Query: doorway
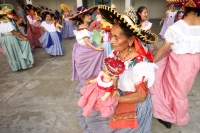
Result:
[103,2]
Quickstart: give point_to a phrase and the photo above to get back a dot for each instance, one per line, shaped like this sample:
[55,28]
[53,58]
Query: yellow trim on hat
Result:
[129,23]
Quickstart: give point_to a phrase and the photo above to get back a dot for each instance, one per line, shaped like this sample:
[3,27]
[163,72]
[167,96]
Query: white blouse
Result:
[6,27]
[49,27]
[105,36]
[184,38]
[30,20]
[80,34]
[171,14]
[146,25]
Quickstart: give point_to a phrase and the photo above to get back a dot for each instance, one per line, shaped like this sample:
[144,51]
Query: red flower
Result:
[139,58]
[115,52]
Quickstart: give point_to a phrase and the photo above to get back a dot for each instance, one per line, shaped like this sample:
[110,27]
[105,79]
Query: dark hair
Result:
[140,10]
[126,31]
[80,21]
[189,9]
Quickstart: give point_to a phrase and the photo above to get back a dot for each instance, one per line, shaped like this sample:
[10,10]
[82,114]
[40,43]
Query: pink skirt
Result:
[90,101]
[33,34]
[174,80]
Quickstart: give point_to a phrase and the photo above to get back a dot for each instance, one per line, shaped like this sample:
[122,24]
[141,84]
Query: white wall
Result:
[156,8]
[120,4]
[55,4]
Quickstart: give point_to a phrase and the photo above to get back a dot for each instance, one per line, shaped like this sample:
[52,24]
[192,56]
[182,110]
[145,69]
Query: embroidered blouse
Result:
[136,68]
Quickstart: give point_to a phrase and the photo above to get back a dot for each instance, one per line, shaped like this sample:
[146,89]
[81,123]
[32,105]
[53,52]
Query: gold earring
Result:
[130,49]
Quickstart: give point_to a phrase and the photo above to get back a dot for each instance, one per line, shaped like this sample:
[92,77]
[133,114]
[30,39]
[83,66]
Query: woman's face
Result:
[144,14]
[32,12]
[20,20]
[119,41]
[172,6]
[48,17]
[87,18]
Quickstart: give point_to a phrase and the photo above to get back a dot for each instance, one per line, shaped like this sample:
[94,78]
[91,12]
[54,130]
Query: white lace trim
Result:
[103,84]
[134,75]
[185,38]
[6,27]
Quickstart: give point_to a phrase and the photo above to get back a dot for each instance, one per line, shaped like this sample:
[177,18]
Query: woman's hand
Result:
[99,48]
[161,51]
[92,81]
[25,38]
[88,81]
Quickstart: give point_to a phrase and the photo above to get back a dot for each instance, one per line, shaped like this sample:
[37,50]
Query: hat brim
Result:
[9,6]
[78,16]
[29,7]
[63,6]
[188,3]
[114,17]
[46,12]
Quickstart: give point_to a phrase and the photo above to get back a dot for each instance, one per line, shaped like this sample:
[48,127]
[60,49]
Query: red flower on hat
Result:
[114,66]
[139,58]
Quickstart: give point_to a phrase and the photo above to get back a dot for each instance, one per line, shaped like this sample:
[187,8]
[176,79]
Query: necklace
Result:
[129,51]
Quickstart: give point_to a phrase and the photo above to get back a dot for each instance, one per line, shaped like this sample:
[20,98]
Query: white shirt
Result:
[80,34]
[146,25]
[31,20]
[184,38]
[171,14]
[49,27]
[105,37]
[6,27]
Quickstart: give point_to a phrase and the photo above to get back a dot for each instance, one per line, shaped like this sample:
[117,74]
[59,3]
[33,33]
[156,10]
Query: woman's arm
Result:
[139,96]
[105,96]
[161,51]
[63,18]
[19,35]
[86,40]
[93,81]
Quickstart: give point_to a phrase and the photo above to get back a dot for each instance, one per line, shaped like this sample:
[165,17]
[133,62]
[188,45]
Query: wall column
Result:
[127,3]
[79,3]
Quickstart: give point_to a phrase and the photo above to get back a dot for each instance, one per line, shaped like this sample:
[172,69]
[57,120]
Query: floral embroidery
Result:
[116,54]
[137,59]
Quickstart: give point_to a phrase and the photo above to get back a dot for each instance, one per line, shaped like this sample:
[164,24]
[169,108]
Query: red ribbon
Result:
[140,50]
[142,86]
